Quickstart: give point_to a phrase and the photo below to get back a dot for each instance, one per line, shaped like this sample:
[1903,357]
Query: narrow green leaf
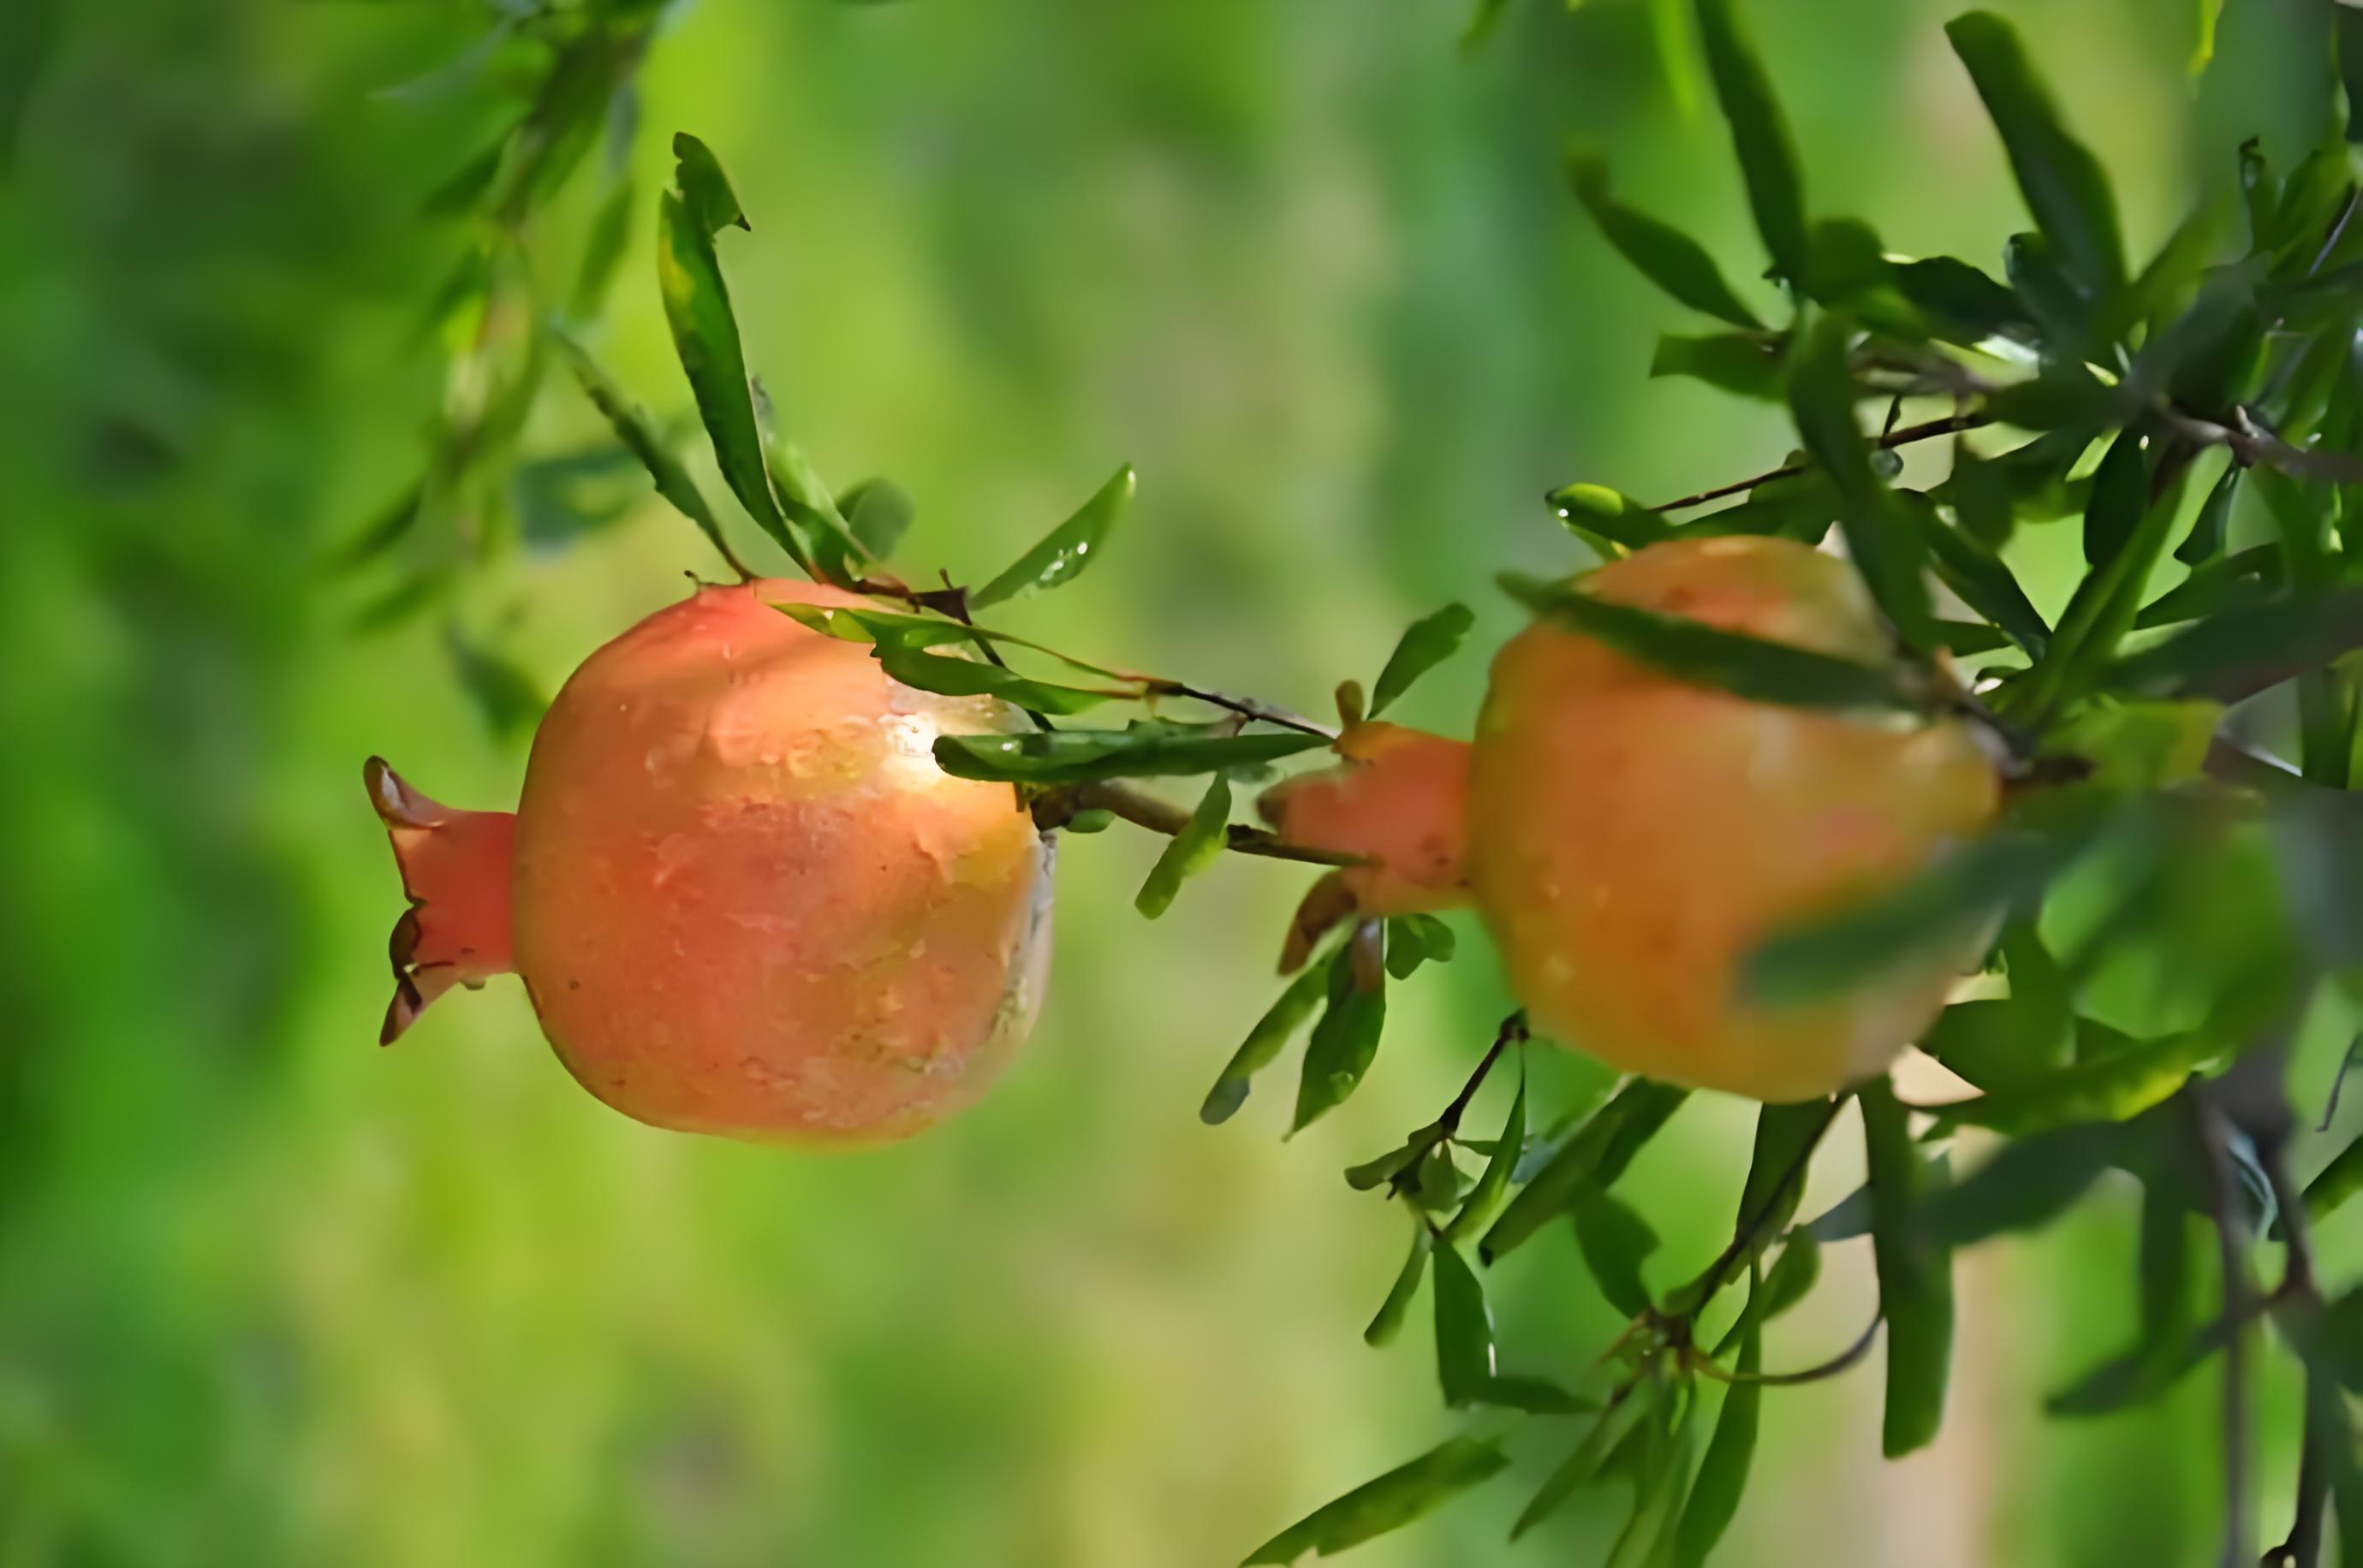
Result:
[2120,497]
[1495,1184]
[1396,1308]
[1597,1154]
[1760,136]
[611,231]
[1745,364]
[1535,1395]
[2026,1185]
[2165,1349]
[1389,1503]
[1344,1043]
[2114,1088]
[2339,1180]
[706,191]
[1969,307]
[951,676]
[1197,846]
[1061,555]
[1413,940]
[2244,650]
[1615,1241]
[1700,655]
[507,698]
[1608,516]
[837,556]
[2205,541]
[877,511]
[638,432]
[1263,1045]
[1785,1137]
[1425,643]
[1915,1291]
[1885,547]
[1373,1174]
[1723,1474]
[1984,583]
[1662,1473]
[29,30]
[1661,252]
[1143,749]
[2064,184]
[1464,1328]
[1580,1468]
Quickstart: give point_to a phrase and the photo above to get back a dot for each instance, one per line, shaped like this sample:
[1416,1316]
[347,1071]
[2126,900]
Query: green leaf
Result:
[1662,253]
[1723,1474]
[1464,1330]
[2114,1088]
[705,338]
[1969,307]
[1344,1043]
[1697,654]
[1916,1290]
[1373,1174]
[611,231]
[1940,911]
[705,193]
[1197,846]
[29,30]
[2243,579]
[1413,940]
[1389,1503]
[1494,1183]
[1143,749]
[1428,641]
[1608,516]
[1973,570]
[877,511]
[1745,364]
[2064,184]
[508,700]
[2339,1180]
[2164,1351]
[1583,1466]
[1760,136]
[1885,547]
[1785,1137]
[2244,650]
[1061,555]
[1596,1154]
[1396,1308]
[1661,1471]
[1263,1045]
[1483,17]
[837,555]
[951,676]
[1535,1395]
[2026,1185]
[639,433]
[1615,1241]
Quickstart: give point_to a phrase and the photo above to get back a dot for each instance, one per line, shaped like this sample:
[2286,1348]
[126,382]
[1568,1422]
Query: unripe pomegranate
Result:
[1631,839]
[743,898]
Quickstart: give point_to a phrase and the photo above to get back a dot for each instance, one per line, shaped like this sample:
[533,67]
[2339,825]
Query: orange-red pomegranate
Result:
[1631,839]
[743,898]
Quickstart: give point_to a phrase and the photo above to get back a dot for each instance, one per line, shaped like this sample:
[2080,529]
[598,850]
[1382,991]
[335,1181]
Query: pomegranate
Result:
[1630,839]
[743,898]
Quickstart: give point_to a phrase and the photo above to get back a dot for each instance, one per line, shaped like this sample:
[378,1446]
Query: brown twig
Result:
[1902,436]
[1706,1366]
[1160,815]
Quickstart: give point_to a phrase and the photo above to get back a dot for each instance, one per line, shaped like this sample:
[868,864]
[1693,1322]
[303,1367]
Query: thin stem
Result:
[1705,1366]
[1246,707]
[2346,1065]
[1718,1272]
[2303,1546]
[2239,1412]
[1901,436]
[1159,815]
[1511,1032]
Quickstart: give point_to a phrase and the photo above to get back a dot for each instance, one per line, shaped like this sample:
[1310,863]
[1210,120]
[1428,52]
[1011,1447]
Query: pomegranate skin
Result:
[1632,838]
[1400,799]
[746,901]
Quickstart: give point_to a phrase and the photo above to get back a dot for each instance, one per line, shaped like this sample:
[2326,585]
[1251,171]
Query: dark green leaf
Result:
[877,511]
[1759,135]
[2120,497]
[1600,513]
[704,189]
[1886,548]
[2241,581]
[1597,1154]
[2064,184]
[1396,1308]
[1661,1471]
[1723,1474]
[639,432]
[1535,1395]
[1143,749]
[1483,17]
[1916,1290]
[1428,641]
[506,698]
[2339,1180]
[1785,1137]
[2026,1185]
[611,231]
[951,676]
[1371,1174]
[1198,845]
[1487,1195]
[2245,650]
[29,30]
[1344,1043]
[1061,555]
[1794,1273]
[1746,364]
[2164,1350]
[1663,254]
[1389,1503]
[1464,1328]
[2116,1088]
[1970,305]
[1263,1045]
[837,555]
[1583,1466]
[1616,1240]
[1701,655]
[1978,575]
[1413,940]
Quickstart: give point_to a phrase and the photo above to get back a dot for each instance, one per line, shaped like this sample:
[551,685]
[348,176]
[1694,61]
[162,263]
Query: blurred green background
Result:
[270,1295]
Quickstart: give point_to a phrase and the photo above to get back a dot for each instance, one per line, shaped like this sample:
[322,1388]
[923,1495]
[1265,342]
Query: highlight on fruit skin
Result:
[742,897]
[1632,838]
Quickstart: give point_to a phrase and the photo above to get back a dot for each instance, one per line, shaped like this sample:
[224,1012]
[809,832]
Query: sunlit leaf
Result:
[1143,749]
[1916,1290]
[1428,641]
[706,191]
[950,675]
[1663,254]
[1743,363]
[1701,655]
[1061,555]
[2064,184]
[1389,1503]
[1598,513]
[1197,846]
[2114,1088]
[2244,650]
